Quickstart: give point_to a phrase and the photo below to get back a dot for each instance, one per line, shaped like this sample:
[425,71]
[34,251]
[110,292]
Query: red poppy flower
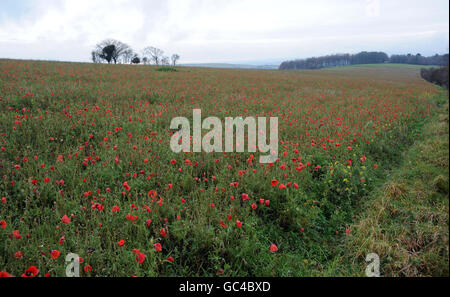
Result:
[16,234]
[55,254]
[148,222]
[65,219]
[121,242]
[300,167]
[140,257]
[238,224]
[3,225]
[5,274]
[32,271]
[126,186]
[273,248]
[87,268]
[274,182]
[163,232]
[157,247]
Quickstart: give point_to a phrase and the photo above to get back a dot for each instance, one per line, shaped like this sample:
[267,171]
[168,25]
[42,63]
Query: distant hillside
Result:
[363,58]
[229,65]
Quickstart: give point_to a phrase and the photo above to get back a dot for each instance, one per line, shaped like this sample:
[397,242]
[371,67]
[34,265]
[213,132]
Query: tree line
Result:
[363,58]
[437,76]
[114,51]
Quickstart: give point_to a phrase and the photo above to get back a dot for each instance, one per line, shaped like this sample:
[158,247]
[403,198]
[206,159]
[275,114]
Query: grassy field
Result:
[87,168]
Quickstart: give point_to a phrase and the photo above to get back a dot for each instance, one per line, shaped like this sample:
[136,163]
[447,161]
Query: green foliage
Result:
[166,69]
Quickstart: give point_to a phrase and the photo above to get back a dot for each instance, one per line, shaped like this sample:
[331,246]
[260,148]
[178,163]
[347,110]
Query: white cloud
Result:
[203,31]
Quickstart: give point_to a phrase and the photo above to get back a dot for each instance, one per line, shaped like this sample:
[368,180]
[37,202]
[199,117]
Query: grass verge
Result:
[406,221]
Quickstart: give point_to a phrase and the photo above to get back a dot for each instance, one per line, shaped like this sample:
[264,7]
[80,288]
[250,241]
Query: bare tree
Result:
[111,50]
[165,61]
[155,54]
[95,57]
[175,58]
[127,55]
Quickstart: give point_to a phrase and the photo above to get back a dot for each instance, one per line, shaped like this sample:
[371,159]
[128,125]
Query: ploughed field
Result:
[86,167]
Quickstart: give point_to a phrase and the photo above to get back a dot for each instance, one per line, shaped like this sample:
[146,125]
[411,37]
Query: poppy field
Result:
[86,167]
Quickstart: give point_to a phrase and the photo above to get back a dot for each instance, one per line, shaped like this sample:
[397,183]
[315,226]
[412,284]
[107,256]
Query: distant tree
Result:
[155,54]
[108,52]
[363,58]
[111,50]
[145,60]
[437,76]
[440,60]
[369,58]
[165,61]
[127,55]
[136,60]
[95,57]
[175,58]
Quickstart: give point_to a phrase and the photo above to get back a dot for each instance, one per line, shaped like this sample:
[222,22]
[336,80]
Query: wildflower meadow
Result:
[87,169]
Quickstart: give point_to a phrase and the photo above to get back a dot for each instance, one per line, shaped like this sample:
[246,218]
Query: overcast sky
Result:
[223,31]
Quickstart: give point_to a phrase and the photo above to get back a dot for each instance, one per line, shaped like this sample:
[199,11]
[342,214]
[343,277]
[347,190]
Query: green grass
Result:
[406,221]
[166,69]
